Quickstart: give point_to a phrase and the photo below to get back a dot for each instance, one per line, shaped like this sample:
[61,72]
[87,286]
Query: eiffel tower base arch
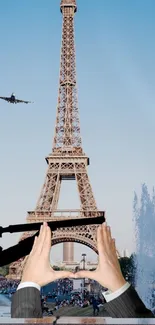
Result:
[85,235]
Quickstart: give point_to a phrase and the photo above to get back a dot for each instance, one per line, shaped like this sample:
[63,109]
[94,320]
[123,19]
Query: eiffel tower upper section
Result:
[67,160]
[67,137]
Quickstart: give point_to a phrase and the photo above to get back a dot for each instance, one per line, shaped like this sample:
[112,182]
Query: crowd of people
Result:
[75,301]
[8,286]
[64,287]
[122,300]
[63,295]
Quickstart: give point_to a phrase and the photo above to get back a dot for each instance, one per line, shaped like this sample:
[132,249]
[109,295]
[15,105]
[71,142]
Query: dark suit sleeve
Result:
[26,303]
[128,305]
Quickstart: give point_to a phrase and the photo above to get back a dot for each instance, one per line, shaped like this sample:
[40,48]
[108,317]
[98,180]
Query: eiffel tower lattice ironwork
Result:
[67,160]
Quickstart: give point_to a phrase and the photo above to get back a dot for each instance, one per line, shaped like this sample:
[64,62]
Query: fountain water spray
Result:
[144,219]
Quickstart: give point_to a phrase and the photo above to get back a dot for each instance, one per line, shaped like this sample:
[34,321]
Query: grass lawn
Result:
[77,311]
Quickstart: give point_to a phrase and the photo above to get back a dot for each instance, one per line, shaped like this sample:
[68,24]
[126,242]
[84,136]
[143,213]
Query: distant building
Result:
[73,265]
[125,253]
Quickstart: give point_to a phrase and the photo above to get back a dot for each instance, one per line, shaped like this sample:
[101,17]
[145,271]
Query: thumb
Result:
[85,274]
[63,274]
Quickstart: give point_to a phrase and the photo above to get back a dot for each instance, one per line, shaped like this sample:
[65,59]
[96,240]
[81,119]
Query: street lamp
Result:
[84,261]
[84,267]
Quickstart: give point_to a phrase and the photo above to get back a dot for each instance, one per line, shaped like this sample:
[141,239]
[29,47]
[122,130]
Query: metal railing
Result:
[61,214]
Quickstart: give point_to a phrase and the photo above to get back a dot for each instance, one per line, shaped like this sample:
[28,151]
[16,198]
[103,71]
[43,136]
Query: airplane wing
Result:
[23,101]
[5,98]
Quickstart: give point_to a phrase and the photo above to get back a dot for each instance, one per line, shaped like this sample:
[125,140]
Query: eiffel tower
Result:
[67,160]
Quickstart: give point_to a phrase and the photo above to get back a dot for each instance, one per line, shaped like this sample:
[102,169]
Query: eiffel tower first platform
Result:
[67,160]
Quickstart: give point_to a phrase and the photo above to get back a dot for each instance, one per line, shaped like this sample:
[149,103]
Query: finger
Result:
[109,238]
[40,232]
[85,274]
[105,234]
[63,274]
[113,243]
[100,243]
[34,245]
[41,238]
[47,243]
[114,246]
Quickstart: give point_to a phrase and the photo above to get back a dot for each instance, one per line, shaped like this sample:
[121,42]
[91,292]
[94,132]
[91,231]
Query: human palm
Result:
[108,272]
[38,268]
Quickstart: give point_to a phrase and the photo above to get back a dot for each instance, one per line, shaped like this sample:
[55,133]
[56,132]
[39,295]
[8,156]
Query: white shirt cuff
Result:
[108,295]
[28,284]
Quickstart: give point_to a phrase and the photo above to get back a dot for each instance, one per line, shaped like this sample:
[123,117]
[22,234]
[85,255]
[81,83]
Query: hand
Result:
[37,268]
[108,272]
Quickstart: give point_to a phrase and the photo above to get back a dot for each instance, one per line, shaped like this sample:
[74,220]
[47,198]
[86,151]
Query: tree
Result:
[128,268]
[4,270]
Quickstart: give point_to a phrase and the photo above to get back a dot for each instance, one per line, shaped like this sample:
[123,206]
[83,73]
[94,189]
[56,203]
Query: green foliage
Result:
[57,268]
[128,269]
[4,270]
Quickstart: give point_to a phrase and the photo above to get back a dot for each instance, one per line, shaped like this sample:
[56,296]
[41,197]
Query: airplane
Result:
[13,100]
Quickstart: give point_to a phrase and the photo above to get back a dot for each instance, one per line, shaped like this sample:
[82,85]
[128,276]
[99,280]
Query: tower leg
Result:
[68,252]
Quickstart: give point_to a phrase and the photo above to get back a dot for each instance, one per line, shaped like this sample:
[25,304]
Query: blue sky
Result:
[116,80]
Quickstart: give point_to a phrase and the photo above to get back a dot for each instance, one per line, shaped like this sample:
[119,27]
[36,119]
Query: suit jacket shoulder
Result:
[128,305]
[26,303]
